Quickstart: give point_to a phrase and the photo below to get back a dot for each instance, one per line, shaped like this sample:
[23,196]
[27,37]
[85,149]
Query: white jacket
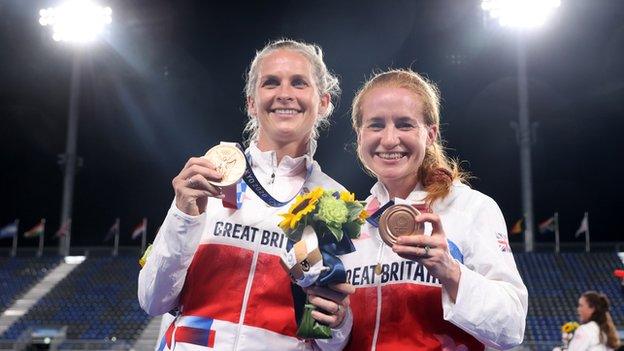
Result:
[222,268]
[587,338]
[405,308]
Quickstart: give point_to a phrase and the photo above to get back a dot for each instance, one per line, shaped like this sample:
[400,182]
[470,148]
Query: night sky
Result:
[166,81]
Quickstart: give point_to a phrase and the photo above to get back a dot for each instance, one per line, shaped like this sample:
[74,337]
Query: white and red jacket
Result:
[222,268]
[405,308]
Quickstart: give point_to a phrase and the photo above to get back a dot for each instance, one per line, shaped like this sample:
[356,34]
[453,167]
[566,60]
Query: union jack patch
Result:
[503,242]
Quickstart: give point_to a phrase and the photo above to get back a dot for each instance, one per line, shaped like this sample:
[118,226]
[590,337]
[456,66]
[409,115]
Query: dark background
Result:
[166,83]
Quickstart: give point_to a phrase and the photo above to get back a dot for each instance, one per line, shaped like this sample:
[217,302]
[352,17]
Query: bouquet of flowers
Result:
[319,225]
[567,332]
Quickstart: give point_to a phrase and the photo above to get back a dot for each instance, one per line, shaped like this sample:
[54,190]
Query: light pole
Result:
[523,15]
[76,22]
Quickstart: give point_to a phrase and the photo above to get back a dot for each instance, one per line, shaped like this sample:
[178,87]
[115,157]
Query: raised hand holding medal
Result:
[399,220]
[194,184]
[431,251]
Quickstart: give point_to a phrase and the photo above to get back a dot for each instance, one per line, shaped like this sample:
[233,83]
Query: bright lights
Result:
[520,13]
[74,259]
[76,21]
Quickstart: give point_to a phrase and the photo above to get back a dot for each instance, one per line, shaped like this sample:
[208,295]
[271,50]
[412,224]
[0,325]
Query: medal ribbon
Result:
[250,180]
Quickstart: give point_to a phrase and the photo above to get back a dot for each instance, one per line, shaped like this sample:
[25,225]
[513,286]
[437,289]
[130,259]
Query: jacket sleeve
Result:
[492,300]
[340,335]
[162,277]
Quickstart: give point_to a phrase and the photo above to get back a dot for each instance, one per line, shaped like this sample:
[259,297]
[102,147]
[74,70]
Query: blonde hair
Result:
[326,82]
[437,171]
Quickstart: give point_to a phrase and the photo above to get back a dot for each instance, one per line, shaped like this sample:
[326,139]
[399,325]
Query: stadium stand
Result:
[97,301]
[555,283]
[18,274]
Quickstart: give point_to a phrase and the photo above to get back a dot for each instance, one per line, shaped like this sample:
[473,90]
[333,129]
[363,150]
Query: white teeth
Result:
[285,111]
[390,155]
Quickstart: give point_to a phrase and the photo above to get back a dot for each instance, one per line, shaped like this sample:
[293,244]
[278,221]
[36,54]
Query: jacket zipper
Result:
[378,311]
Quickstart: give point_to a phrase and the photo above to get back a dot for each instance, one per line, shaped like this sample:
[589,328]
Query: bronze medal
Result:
[229,161]
[398,220]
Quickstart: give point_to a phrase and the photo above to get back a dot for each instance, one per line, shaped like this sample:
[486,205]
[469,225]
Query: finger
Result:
[327,293]
[437,241]
[414,252]
[344,288]
[206,172]
[199,161]
[200,183]
[435,221]
[324,304]
[414,240]
[327,319]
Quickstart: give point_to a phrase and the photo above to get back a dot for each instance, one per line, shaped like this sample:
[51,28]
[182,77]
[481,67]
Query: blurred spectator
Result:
[597,331]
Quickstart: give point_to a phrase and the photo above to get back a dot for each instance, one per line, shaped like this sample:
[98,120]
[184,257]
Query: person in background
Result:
[597,331]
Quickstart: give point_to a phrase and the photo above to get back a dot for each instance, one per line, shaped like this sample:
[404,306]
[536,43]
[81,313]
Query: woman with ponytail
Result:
[453,286]
[597,331]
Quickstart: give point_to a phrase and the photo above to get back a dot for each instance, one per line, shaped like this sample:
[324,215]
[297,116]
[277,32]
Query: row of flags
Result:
[11,229]
[551,225]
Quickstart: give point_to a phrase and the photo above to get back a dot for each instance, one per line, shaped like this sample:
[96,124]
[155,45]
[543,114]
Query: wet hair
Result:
[325,81]
[437,171]
[600,303]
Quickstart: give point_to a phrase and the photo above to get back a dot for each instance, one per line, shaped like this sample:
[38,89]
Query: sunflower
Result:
[303,205]
[569,327]
[347,196]
[363,215]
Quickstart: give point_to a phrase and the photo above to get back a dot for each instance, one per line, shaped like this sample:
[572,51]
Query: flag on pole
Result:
[114,230]
[37,230]
[584,227]
[547,226]
[64,229]
[140,229]
[518,227]
[9,230]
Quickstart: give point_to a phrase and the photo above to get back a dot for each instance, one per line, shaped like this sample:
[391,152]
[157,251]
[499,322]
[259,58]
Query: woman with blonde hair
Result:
[216,260]
[453,285]
[597,331]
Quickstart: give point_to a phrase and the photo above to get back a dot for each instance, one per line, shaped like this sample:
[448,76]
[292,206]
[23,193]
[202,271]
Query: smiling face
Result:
[393,136]
[584,310]
[286,102]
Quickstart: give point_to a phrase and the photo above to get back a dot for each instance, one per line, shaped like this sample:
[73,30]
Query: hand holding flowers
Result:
[320,225]
[567,332]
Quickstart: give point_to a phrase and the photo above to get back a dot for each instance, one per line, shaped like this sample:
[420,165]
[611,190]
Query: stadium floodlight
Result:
[520,13]
[523,14]
[76,21]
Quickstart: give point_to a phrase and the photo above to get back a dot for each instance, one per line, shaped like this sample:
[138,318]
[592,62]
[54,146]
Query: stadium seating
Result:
[555,283]
[97,301]
[18,274]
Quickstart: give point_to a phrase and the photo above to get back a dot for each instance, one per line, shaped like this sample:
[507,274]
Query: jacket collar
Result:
[267,160]
[380,192]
